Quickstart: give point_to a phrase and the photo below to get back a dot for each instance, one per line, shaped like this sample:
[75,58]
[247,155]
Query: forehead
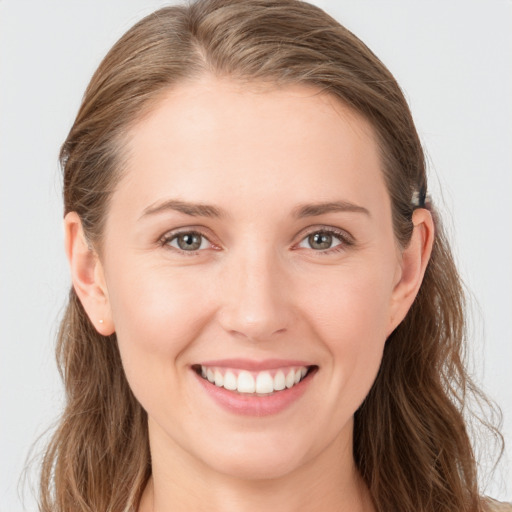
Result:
[216,138]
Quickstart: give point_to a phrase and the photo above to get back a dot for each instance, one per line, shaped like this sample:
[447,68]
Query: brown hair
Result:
[410,440]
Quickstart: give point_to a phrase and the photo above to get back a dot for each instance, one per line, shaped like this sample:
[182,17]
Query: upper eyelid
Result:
[342,233]
[199,230]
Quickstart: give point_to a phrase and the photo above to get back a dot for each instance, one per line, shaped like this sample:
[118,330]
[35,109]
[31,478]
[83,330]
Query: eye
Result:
[325,239]
[188,241]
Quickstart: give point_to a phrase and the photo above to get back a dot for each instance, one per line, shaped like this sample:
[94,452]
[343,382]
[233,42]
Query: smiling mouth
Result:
[260,383]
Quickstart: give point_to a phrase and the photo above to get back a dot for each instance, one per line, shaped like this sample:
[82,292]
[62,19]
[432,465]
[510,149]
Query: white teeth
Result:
[230,381]
[279,381]
[290,379]
[264,383]
[261,383]
[246,382]
[219,379]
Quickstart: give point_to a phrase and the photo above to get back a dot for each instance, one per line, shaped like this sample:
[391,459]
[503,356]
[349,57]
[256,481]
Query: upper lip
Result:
[253,365]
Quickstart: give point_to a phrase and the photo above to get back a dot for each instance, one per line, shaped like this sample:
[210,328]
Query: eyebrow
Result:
[205,210]
[312,210]
[192,209]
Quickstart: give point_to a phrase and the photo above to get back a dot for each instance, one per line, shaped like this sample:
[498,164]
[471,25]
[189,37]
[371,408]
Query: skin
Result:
[256,289]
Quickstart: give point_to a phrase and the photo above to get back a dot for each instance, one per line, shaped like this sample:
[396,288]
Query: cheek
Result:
[350,313]
[352,301]
[156,314]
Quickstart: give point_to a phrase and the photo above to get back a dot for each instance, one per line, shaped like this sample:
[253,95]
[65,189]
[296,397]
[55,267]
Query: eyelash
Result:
[345,239]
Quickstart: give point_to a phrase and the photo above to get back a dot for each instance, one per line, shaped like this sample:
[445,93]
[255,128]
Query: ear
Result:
[414,260]
[87,275]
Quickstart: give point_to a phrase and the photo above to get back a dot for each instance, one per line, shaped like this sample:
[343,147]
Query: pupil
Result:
[189,242]
[320,241]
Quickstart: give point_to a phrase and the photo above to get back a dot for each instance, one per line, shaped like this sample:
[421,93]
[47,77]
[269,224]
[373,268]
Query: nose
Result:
[256,301]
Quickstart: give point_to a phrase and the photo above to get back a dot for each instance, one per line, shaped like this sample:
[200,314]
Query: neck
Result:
[326,483]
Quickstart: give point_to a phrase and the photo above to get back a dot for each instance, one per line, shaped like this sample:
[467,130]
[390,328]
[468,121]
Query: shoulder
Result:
[497,506]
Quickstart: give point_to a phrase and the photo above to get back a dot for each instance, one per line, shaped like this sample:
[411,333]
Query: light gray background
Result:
[454,62]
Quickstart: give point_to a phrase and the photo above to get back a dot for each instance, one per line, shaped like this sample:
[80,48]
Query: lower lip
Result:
[254,405]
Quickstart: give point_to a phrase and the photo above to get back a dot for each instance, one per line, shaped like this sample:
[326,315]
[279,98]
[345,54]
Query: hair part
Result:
[410,441]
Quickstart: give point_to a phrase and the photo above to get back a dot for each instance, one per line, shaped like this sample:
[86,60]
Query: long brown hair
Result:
[411,445]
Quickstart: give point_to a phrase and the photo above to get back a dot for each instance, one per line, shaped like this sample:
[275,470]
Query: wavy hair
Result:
[411,444]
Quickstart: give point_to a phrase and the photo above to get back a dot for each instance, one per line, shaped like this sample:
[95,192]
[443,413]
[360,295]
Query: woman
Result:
[265,312]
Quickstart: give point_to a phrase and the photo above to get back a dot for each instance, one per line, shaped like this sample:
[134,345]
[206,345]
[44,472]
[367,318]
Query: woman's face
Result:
[250,240]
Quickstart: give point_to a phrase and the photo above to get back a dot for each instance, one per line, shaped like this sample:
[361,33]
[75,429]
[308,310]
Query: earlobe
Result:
[87,275]
[414,260]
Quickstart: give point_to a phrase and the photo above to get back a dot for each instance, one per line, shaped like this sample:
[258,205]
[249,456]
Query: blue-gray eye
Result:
[189,241]
[321,241]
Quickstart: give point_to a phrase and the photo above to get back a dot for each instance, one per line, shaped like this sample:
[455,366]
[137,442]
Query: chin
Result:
[262,468]
[258,458]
